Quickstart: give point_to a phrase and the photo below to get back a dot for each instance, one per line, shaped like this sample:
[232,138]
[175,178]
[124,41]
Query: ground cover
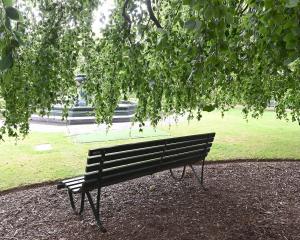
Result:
[247,201]
[21,164]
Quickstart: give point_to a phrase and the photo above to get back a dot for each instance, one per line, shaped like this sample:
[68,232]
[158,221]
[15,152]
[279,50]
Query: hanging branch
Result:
[245,8]
[127,23]
[125,15]
[151,14]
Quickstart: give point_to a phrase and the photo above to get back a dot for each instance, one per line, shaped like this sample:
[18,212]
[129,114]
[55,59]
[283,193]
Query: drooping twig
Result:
[245,8]
[125,15]
[151,14]
[127,23]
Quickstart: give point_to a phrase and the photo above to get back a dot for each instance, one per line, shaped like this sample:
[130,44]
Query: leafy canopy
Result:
[175,56]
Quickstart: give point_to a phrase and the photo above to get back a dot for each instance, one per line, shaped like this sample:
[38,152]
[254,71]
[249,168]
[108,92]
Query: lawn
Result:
[21,164]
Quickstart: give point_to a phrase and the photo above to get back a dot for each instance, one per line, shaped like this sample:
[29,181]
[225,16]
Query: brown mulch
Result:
[254,200]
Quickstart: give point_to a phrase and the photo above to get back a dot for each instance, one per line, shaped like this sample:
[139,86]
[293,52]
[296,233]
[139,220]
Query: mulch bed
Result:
[254,200]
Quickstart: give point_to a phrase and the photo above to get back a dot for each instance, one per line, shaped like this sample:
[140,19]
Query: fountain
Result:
[81,113]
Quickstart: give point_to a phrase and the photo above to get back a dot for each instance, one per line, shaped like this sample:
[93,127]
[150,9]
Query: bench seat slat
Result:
[76,190]
[75,182]
[72,179]
[75,186]
[66,182]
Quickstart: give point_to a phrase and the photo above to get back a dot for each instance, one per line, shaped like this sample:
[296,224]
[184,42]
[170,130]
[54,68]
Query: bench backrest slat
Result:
[126,154]
[189,143]
[175,151]
[132,153]
[124,161]
[126,147]
[190,138]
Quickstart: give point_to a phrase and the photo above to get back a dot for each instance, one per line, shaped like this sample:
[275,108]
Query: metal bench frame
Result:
[80,185]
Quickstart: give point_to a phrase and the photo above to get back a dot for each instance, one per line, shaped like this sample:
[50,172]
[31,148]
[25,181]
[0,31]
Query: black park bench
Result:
[111,165]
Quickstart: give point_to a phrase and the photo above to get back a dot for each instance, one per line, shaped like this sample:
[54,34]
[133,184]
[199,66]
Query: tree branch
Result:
[151,14]
[125,15]
[127,22]
[245,8]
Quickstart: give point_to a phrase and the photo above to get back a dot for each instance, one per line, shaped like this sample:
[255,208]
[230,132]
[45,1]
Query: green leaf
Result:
[7,23]
[6,61]
[187,2]
[269,3]
[18,37]
[294,65]
[190,24]
[8,3]
[209,108]
[291,3]
[209,12]
[12,13]
[290,40]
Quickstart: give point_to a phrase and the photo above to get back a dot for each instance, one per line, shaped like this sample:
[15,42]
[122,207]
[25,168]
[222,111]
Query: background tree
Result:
[175,56]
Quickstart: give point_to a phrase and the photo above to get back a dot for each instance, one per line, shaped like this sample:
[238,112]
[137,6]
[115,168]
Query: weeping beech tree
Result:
[174,56]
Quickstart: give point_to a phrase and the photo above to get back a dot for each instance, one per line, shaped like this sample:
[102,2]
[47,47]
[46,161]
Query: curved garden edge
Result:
[207,162]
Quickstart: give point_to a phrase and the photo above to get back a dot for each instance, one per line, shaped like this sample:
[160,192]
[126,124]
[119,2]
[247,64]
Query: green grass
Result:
[120,134]
[236,138]
[267,137]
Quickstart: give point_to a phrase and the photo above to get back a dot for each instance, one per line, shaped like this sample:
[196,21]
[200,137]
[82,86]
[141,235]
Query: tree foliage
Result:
[175,56]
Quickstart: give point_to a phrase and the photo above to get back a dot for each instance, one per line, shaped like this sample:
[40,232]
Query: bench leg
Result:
[200,179]
[96,209]
[182,175]
[82,203]
[70,193]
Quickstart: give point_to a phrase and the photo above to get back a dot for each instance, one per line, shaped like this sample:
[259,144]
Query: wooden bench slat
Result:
[68,184]
[124,161]
[126,147]
[76,190]
[132,153]
[187,149]
[126,154]
[190,138]
[188,143]
[72,179]
[75,186]
[133,159]
[63,183]
[92,167]
[197,154]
